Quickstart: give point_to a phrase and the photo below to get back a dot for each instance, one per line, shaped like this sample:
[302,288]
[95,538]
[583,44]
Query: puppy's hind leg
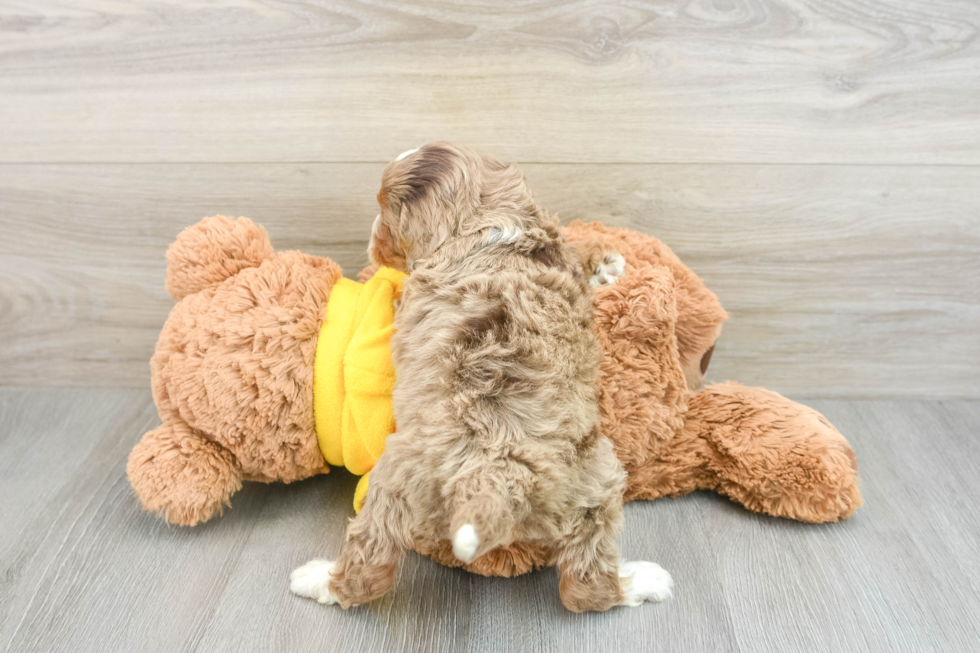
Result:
[365,570]
[589,561]
[592,577]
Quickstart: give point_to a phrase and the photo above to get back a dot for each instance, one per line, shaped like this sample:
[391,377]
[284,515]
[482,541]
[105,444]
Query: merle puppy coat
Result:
[498,435]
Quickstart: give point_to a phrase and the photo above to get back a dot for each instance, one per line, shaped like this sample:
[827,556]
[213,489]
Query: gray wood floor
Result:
[83,569]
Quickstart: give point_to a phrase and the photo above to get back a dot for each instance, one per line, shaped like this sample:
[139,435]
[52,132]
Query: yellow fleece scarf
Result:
[353,375]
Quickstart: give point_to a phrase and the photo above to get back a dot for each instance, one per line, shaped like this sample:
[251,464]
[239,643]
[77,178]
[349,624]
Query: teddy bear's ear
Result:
[207,253]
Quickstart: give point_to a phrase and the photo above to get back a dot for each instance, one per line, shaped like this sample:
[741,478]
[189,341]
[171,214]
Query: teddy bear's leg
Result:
[182,475]
[773,455]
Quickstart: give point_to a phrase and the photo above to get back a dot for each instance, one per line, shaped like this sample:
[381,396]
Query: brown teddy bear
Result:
[253,332]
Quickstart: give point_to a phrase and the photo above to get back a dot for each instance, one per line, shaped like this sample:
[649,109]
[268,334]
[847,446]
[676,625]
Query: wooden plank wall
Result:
[817,163]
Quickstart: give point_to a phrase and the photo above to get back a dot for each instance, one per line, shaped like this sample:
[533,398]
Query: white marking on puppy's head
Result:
[404,154]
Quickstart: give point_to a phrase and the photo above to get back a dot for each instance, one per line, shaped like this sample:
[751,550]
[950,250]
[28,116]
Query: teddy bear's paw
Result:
[312,581]
[613,266]
[644,581]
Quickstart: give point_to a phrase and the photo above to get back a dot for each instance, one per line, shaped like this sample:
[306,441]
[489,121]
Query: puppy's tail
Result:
[479,524]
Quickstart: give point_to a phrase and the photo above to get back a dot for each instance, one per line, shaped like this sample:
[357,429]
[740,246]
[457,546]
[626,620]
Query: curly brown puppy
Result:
[496,399]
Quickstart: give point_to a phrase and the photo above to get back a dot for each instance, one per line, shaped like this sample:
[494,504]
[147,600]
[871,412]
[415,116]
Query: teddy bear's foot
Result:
[181,475]
[312,581]
[774,455]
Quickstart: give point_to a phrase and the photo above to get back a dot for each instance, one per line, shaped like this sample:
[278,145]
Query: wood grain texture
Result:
[840,280]
[764,81]
[83,569]
[832,587]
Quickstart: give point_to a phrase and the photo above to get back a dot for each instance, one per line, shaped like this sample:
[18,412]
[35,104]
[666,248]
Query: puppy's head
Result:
[425,195]
[435,193]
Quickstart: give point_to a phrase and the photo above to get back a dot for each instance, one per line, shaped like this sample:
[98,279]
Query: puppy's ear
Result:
[426,194]
[384,249]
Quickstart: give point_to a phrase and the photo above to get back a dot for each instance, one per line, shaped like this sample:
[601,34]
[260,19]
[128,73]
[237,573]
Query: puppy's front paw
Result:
[312,581]
[644,581]
[612,267]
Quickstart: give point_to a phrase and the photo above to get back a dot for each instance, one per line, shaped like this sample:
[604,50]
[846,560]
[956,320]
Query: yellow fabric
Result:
[353,375]
[360,492]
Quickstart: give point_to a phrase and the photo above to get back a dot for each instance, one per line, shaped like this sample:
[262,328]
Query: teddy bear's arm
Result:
[699,313]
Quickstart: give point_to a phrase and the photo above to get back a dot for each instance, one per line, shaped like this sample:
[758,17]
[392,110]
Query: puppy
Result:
[498,427]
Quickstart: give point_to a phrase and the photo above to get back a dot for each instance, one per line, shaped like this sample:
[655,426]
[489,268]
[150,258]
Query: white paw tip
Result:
[312,581]
[406,153]
[645,581]
[465,543]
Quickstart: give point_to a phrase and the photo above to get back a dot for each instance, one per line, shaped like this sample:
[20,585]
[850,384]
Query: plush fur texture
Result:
[233,371]
[496,394]
[771,454]
[232,378]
